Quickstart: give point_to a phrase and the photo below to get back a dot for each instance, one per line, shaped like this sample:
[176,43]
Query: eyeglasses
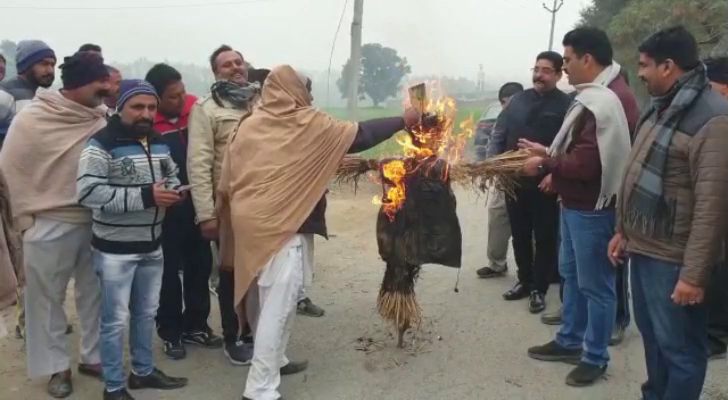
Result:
[545,70]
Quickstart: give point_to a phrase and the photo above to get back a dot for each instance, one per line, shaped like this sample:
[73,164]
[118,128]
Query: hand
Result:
[536,149]
[531,168]
[210,229]
[616,249]
[686,294]
[411,116]
[164,197]
[546,186]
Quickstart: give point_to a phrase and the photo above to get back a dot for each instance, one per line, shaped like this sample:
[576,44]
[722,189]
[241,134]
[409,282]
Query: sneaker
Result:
[520,291]
[553,318]
[175,350]
[92,370]
[117,395]
[553,351]
[239,353]
[536,302]
[585,374]
[156,380]
[307,308]
[204,339]
[617,336]
[60,386]
[294,367]
[489,273]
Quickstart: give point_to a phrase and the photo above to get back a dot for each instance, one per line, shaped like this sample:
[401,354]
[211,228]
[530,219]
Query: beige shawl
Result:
[276,169]
[11,251]
[41,152]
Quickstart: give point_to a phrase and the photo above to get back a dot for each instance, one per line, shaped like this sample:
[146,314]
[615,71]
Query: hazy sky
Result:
[437,36]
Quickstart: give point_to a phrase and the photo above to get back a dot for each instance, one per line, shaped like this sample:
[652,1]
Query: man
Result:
[36,64]
[3,65]
[39,161]
[672,212]
[114,82]
[90,47]
[499,227]
[184,247]
[585,164]
[716,297]
[128,178]
[535,114]
[211,122]
[305,146]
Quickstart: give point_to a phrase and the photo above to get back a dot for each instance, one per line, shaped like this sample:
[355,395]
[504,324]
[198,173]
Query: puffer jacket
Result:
[696,175]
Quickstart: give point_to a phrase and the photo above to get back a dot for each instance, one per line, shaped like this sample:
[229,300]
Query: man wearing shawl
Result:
[672,212]
[585,164]
[275,172]
[40,159]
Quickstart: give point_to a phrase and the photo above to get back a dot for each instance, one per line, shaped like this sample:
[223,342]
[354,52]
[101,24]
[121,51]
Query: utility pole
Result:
[355,59]
[553,11]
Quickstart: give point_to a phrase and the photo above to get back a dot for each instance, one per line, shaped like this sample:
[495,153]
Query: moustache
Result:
[103,93]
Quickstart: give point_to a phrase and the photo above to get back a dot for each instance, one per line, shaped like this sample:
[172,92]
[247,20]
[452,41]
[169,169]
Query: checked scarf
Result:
[647,208]
[237,95]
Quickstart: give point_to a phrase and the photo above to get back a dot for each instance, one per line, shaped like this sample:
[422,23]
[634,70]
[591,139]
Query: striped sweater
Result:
[115,177]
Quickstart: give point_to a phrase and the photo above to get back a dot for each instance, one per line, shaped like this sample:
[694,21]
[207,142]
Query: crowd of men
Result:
[132,188]
[623,198]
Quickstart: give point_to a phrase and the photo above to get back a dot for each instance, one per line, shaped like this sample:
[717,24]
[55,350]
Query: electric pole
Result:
[355,59]
[553,11]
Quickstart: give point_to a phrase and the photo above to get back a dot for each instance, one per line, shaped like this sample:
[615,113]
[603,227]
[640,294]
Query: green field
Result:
[390,147]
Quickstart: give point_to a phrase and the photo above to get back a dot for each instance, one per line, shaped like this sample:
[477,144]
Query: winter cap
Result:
[81,69]
[31,52]
[717,69]
[133,87]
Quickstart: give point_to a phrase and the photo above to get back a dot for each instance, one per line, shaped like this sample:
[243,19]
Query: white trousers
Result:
[279,285]
[54,253]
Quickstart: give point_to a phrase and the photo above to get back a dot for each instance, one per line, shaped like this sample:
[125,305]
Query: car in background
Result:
[485,128]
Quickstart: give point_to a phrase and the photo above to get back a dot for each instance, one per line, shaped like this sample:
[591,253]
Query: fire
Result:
[436,136]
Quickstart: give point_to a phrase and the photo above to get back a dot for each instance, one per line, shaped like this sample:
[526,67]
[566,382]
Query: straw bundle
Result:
[499,171]
[396,301]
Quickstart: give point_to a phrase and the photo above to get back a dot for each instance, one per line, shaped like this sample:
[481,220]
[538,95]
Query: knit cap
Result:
[31,52]
[133,87]
[82,69]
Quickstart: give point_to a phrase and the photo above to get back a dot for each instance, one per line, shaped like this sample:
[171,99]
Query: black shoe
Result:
[92,370]
[553,318]
[307,308]
[156,380]
[617,336]
[536,302]
[585,374]
[117,395]
[294,367]
[60,385]
[553,351]
[239,353]
[488,273]
[520,291]
[175,350]
[204,339]
[248,339]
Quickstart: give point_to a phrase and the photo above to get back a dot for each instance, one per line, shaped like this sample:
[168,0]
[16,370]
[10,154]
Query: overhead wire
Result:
[132,7]
[331,56]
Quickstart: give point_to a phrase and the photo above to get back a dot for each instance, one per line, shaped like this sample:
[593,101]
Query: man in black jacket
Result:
[535,114]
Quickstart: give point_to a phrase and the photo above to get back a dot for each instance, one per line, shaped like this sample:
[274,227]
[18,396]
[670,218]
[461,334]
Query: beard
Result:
[44,81]
[143,126]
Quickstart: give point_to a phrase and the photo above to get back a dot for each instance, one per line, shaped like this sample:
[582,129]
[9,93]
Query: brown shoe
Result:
[92,370]
[60,385]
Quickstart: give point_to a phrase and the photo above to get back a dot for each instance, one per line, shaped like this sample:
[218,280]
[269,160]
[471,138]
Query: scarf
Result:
[276,170]
[41,153]
[11,250]
[613,139]
[647,208]
[237,95]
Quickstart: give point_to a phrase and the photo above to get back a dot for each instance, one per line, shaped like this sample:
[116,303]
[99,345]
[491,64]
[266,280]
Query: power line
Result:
[331,56]
[146,7]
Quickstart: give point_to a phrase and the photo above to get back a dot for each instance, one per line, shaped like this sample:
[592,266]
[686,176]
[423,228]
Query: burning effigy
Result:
[417,222]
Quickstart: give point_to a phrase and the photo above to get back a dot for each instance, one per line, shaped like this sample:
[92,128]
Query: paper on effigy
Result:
[418,97]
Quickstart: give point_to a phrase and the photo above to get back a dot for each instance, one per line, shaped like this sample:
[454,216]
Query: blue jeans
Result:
[675,337]
[590,299]
[130,284]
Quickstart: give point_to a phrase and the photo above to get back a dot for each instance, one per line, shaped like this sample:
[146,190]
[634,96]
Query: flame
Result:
[422,142]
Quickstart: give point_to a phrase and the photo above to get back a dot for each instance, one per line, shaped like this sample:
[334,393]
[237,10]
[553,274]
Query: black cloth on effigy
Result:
[425,229]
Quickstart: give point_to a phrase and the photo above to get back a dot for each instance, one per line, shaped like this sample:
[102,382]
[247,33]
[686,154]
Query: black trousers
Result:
[716,299]
[184,303]
[226,298]
[534,218]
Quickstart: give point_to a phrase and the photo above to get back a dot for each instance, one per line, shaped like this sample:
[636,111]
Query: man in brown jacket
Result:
[672,212]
